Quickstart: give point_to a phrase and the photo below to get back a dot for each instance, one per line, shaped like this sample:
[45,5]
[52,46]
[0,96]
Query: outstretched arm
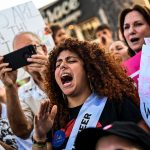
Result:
[18,122]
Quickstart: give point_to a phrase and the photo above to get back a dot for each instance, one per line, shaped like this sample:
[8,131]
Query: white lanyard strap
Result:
[88,116]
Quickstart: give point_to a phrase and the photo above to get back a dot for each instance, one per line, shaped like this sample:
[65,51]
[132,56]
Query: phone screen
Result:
[18,58]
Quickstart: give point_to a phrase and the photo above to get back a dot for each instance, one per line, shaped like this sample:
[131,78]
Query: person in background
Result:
[47,29]
[104,35]
[116,136]
[25,101]
[58,33]
[88,88]
[120,50]
[135,26]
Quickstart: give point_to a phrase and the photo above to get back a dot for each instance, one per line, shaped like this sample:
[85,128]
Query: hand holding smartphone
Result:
[18,58]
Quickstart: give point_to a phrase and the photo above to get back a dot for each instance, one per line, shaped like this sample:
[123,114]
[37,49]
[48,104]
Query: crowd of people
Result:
[79,95]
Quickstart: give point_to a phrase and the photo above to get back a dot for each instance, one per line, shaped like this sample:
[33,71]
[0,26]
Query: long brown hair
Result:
[143,10]
[105,75]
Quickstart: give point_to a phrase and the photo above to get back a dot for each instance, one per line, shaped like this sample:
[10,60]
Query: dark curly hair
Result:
[105,75]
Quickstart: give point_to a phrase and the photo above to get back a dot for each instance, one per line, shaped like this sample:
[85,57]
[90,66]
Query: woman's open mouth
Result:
[134,40]
[66,79]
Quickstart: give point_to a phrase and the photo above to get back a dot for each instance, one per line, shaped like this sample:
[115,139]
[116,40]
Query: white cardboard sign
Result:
[147,41]
[144,83]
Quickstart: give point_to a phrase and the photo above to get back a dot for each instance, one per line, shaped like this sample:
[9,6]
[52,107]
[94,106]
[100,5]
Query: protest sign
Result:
[147,41]
[144,83]
[138,68]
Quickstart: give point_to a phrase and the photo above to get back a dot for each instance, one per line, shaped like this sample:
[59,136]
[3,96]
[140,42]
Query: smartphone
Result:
[18,58]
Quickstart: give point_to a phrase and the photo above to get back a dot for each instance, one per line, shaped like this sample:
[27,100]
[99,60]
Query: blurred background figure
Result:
[104,35]
[47,30]
[116,136]
[58,33]
[120,50]
[135,26]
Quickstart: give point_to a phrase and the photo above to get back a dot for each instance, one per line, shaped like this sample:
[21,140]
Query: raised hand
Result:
[43,122]
[39,63]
